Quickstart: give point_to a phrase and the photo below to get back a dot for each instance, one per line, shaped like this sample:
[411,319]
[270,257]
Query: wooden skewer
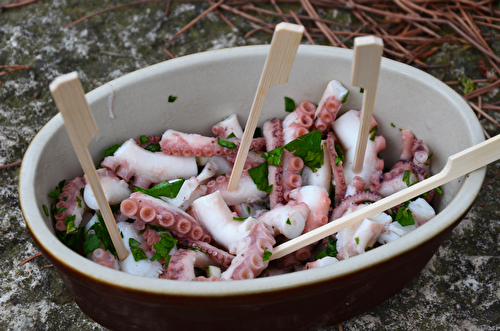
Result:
[286,40]
[365,70]
[80,124]
[458,165]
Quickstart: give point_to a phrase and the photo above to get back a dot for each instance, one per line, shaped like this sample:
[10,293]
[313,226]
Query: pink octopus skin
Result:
[183,262]
[220,257]
[292,166]
[248,262]
[273,132]
[158,212]
[337,168]
[414,150]
[104,258]
[69,197]
[247,191]
[227,126]
[318,201]
[353,200]
[179,143]
[327,260]
[253,159]
[298,122]
[329,106]
[130,160]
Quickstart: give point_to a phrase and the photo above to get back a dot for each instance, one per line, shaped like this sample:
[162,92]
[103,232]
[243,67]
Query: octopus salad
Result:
[178,220]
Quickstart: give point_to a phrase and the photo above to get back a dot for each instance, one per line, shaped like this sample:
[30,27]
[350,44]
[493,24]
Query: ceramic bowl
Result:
[210,86]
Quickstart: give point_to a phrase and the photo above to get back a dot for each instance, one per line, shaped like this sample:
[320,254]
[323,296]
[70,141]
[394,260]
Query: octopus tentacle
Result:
[292,166]
[178,143]
[155,211]
[220,257]
[356,199]
[115,189]
[247,191]
[148,167]
[329,106]
[72,201]
[337,168]
[273,132]
[227,126]
[249,261]
[183,262]
[104,258]
[288,219]
[414,150]
[298,122]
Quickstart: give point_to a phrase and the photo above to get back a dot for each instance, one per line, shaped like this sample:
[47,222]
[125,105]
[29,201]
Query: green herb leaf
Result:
[226,143]
[308,147]
[344,99]
[392,124]
[79,202]
[267,255]
[289,105]
[240,219]
[46,210]
[330,249]
[406,177]
[153,148]
[249,210]
[288,221]
[60,210]
[357,240]
[158,228]
[164,189]
[374,131]
[143,139]
[171,98]
[257,133]
[133,243]
[102,234]
[231,135]
[274,157]
[340,156]
[91,243]
[55,194]
[138,254]
[361,90]
[259,176]
[438,190]
[163,247]
[404,216]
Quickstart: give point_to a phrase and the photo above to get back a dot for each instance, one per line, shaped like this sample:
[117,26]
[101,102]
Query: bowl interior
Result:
[212,85]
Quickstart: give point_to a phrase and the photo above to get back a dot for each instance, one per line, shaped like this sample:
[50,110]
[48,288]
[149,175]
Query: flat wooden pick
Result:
[286,40]
[79,121]
[364,74]
[458,165]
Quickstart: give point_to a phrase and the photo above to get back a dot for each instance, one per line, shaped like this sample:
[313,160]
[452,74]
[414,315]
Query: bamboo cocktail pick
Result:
[364,74]
[286,40]
[458,165]
[79,121]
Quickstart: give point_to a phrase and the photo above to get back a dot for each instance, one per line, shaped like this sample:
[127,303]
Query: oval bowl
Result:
[212,85]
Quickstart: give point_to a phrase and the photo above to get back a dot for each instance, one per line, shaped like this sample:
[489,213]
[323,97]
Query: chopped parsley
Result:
[404,215]
[163,247]
[143,139]
[91,244]
[70,224]
[361,90]
[249,210]
[330,249]
[108,152]
[344,99]
[79,201]
[392,124]
[73,240]
[374,131]
[259,176]
[239,219]
[231,135]
[133,243]
[164,189]
[357,240]
[55,194]
[158,228]
[46,210]
[340,156]
[138,253]
[102,234]
[267,255]
[438,190]
[153,148]
[257,133]
[171,98]
[60,210]
[308,147]
[289,105]
[288,221]
[274,157]
[226,143]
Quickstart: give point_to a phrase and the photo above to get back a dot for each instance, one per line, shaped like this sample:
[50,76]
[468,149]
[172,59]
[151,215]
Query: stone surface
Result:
[458,290]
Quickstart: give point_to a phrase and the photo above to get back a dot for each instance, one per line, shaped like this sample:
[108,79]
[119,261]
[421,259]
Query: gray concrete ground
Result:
[458,290]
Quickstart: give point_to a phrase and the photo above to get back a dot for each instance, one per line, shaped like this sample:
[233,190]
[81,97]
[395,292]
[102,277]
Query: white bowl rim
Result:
[35,218]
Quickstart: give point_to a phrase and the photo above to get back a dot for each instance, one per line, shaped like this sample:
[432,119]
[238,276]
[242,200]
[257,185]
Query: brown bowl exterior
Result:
[206,86]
